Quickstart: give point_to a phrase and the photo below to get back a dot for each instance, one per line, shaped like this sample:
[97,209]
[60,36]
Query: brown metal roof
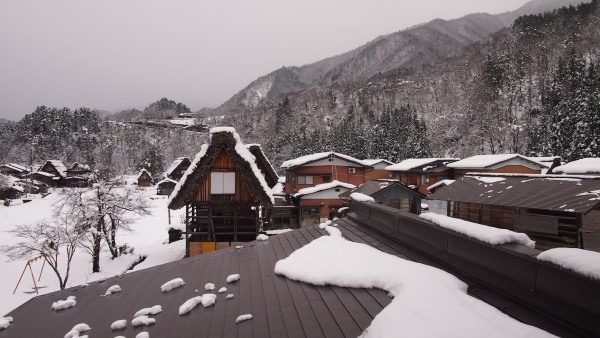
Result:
[281,307]
[578,195]
[374,186]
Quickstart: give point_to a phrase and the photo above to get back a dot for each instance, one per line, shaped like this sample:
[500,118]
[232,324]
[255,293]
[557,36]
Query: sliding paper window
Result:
[222,183]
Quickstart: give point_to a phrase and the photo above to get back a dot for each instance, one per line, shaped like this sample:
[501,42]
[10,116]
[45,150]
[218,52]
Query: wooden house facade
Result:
[391,193]
[321,202]
[497,164]
[165,187]
[79,175]
[554,210]
[422,172]
[13,169]
[378,172]
[312,170]
[144,179]
[225,195]
[178,168]
[58,171]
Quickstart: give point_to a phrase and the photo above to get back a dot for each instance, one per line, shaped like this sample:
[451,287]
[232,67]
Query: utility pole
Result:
[33,143]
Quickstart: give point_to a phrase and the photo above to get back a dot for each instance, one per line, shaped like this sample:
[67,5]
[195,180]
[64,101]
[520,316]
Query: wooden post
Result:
[169,213]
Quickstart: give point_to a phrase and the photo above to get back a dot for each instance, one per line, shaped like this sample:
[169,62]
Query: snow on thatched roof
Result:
[228,139]
[142,173]
[176,163]
[59,166]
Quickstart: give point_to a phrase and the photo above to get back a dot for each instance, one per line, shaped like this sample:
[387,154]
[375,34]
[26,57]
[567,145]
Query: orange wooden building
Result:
[317,180]
[378,172]
[422,172]
[225,195]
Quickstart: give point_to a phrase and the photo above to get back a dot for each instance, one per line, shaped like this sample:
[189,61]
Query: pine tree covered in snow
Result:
[568,124]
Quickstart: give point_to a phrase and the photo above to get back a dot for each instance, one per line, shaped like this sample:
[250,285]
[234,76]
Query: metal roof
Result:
[566,194]
[280,307]
[372,187]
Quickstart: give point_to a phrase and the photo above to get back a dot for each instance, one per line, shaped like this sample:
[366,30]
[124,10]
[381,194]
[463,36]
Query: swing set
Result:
[28,264]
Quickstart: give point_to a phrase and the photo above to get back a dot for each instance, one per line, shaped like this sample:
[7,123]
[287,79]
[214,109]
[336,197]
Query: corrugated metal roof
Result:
[280,307]
[576,195]
[373,186]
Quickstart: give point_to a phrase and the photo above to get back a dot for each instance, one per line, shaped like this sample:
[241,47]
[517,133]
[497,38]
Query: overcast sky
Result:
[119,54]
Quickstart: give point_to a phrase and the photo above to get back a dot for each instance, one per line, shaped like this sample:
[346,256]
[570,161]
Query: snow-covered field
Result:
[148,237]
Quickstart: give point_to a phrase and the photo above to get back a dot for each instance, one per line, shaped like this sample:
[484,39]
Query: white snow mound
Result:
[208,299]
[77,329]
[113,289]
[156,309]
[262,237]
[209,286]
[142,320]
[118,324]
[242,318]
[189,305]
[172,284]
[64,304]
[582,262]
[233,278]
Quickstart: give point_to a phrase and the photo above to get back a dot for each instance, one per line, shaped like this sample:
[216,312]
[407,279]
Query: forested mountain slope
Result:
[491,98]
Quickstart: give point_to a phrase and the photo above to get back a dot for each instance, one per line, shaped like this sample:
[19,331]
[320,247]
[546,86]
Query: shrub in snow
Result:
[223,290]
[209,299]
[233,278]
[142,320]
[148,311]
[118,325]
[77,329]
[64,304]
[582,262]
[143,334]
[5,322]
[209,286]
[243,318]
[189,305]
[172,284]
[113,289]
[229,296]
[262,237]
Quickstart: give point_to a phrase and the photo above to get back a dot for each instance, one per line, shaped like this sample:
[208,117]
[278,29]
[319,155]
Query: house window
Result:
[222,183]
[305,180]
[326,178]
[424,179]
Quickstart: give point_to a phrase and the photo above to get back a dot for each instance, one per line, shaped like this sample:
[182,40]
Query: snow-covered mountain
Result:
[403,52]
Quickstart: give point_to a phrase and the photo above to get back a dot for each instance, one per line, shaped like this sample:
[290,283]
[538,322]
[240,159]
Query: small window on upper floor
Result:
[222,183]
[305,180]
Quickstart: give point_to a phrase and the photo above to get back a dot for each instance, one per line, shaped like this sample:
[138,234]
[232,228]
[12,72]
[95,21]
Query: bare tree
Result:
[103,212]
[47,239]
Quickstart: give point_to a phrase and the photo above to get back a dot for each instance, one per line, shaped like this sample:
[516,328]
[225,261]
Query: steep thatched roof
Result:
[228,140]
[263,163]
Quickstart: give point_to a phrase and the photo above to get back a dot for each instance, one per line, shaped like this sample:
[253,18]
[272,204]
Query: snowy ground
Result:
[150,232]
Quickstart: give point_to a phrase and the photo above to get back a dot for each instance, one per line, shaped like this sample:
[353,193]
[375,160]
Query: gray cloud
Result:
[116,54]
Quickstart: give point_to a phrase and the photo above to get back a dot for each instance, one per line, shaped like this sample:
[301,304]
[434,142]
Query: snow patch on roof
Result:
[583,166]
[478,231]
[357,196]
[166,179]
[372,162]
[142,173]
[489,179]
[319,156]
[321,187]
[423,295]
[484,161]
[60,167]
[440,183]
[582,262]
[413,163]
